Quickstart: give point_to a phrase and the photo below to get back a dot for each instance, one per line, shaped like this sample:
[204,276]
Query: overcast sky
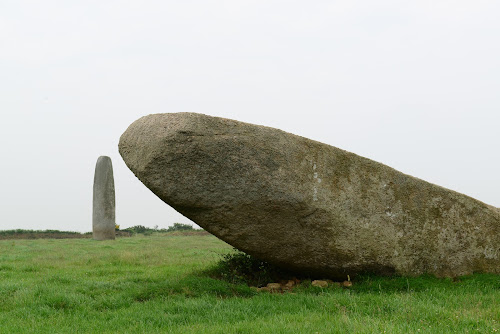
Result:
[412,84]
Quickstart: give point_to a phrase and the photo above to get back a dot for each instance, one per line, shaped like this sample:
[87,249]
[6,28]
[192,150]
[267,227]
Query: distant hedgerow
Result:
[148,231]
[21,231]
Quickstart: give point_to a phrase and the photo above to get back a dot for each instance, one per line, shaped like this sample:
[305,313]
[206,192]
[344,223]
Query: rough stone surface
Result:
[308,206]
[103,216]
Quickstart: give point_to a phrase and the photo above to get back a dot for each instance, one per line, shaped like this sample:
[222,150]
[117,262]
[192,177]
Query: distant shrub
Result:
[137,229]
[180,227]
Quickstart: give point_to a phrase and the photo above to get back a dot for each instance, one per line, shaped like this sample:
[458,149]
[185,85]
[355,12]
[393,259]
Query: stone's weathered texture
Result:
[103,216]
[308,206]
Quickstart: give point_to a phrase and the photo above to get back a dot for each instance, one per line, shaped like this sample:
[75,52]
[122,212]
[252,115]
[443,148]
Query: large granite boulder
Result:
[308,206]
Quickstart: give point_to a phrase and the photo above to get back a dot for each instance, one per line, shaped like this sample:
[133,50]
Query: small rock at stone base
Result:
[347,284]
[274,286]
[319,283]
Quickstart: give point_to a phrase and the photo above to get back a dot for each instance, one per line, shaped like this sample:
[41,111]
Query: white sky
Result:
[412,84]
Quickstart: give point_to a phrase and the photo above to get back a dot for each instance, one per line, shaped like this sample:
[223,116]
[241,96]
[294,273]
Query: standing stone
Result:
[103,217]
[308,206]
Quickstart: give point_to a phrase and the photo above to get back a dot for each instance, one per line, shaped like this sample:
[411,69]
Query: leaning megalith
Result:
[308,206]
[103,215]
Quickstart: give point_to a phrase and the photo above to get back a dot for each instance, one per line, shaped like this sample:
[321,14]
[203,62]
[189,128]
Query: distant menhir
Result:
[103,216]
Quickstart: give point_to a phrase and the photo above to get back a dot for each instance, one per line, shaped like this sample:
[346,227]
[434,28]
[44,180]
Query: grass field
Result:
[157,284]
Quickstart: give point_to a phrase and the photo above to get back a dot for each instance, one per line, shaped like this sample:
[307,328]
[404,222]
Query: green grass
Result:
[158,284]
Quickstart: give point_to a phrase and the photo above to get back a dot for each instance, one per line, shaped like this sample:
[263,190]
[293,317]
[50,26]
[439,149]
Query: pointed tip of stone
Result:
[104,158]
